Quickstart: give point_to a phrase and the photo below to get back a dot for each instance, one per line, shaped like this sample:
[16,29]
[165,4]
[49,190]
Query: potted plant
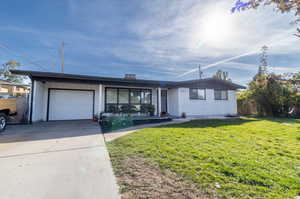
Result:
[144,109]
[95,118]
[163,114]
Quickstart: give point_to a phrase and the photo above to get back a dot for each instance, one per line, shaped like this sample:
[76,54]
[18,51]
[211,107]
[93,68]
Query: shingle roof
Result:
[63,77]
[211,83]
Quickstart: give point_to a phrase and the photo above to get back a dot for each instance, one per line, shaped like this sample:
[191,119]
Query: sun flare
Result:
[216,29]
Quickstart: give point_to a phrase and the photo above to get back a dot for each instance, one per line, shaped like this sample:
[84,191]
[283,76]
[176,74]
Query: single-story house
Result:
[13,89]
[60,96]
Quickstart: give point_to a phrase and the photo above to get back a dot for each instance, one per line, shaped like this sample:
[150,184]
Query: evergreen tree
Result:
[263,67]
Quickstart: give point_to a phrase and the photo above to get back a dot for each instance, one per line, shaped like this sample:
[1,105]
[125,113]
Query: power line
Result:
[19,55]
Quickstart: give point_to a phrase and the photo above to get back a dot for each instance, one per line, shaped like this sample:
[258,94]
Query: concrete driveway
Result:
[61,160]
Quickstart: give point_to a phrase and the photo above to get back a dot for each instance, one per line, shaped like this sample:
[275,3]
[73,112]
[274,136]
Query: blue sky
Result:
[157,39]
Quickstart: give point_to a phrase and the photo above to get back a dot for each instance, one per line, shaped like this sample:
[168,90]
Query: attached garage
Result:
[70,104]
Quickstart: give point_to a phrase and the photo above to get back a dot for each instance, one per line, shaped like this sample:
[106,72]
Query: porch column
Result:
[100,104]
[158,101]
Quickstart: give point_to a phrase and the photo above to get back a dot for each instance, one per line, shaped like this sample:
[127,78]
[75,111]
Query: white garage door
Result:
[70,105]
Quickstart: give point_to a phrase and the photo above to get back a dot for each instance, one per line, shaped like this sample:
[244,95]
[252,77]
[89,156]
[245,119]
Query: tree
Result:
[263,67]
[272,96]
[223,75]
[296,76]
[282,6]
[6,74]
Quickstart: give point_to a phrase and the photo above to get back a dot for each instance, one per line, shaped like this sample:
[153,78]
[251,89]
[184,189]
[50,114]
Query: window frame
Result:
[190,91]
[221,94]
[140,90]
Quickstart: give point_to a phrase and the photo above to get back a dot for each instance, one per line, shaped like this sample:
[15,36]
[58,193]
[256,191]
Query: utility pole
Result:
[62,56]
[200,72]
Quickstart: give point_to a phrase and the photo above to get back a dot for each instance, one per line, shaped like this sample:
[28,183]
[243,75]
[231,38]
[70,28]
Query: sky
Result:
[157,39]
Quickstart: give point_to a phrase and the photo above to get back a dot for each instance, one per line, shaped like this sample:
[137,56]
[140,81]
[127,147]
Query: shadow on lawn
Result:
[279,119]
[209,123]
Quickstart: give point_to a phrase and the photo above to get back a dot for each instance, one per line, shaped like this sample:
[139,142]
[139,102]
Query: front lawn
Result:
[247,158]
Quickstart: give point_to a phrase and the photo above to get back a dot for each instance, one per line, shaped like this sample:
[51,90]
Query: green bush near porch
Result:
[247,158]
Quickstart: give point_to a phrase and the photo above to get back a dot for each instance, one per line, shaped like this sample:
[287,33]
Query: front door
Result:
[164,101]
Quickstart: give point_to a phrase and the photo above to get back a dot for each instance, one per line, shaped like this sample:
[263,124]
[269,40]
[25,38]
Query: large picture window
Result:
[123,96]
[117,99]
[112,96]
[197,94]
[221,94]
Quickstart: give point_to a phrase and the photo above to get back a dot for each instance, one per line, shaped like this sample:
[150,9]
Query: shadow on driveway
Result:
[49,130]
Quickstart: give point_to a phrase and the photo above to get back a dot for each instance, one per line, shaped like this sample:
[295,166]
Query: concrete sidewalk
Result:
[110,136]
[58,160]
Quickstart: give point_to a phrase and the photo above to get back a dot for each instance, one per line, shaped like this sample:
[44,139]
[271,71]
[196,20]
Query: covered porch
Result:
[140,102]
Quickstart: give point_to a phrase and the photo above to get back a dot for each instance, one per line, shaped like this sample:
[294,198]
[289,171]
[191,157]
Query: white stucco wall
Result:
[173,100]
[38,101]
[208,107]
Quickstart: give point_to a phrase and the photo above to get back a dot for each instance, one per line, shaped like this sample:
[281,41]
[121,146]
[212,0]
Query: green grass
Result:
[247,158]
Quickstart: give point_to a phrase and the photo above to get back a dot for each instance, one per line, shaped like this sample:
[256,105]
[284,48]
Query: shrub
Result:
[112,109]
[128,108]
[148,108]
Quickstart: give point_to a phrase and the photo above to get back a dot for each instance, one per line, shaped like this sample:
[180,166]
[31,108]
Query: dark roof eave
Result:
[208,83]
[62,77]
[49,76]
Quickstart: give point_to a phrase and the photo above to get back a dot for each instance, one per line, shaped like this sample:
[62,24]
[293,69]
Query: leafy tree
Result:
[6,74]
[296,76]
[272,96]
[283,6]
[223,75]
[246,105]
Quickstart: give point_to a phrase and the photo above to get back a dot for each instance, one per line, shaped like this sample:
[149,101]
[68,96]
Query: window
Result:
[146,97]
[198,94]
[112,96]
[221,95]
[135,96]
[123,96]
[116,99]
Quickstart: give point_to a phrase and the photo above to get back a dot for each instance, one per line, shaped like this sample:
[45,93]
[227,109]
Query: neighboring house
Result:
[295,84]
[13,89]
[58,96]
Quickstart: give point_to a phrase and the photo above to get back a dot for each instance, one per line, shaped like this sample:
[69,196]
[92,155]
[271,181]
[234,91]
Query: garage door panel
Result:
[70,104]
